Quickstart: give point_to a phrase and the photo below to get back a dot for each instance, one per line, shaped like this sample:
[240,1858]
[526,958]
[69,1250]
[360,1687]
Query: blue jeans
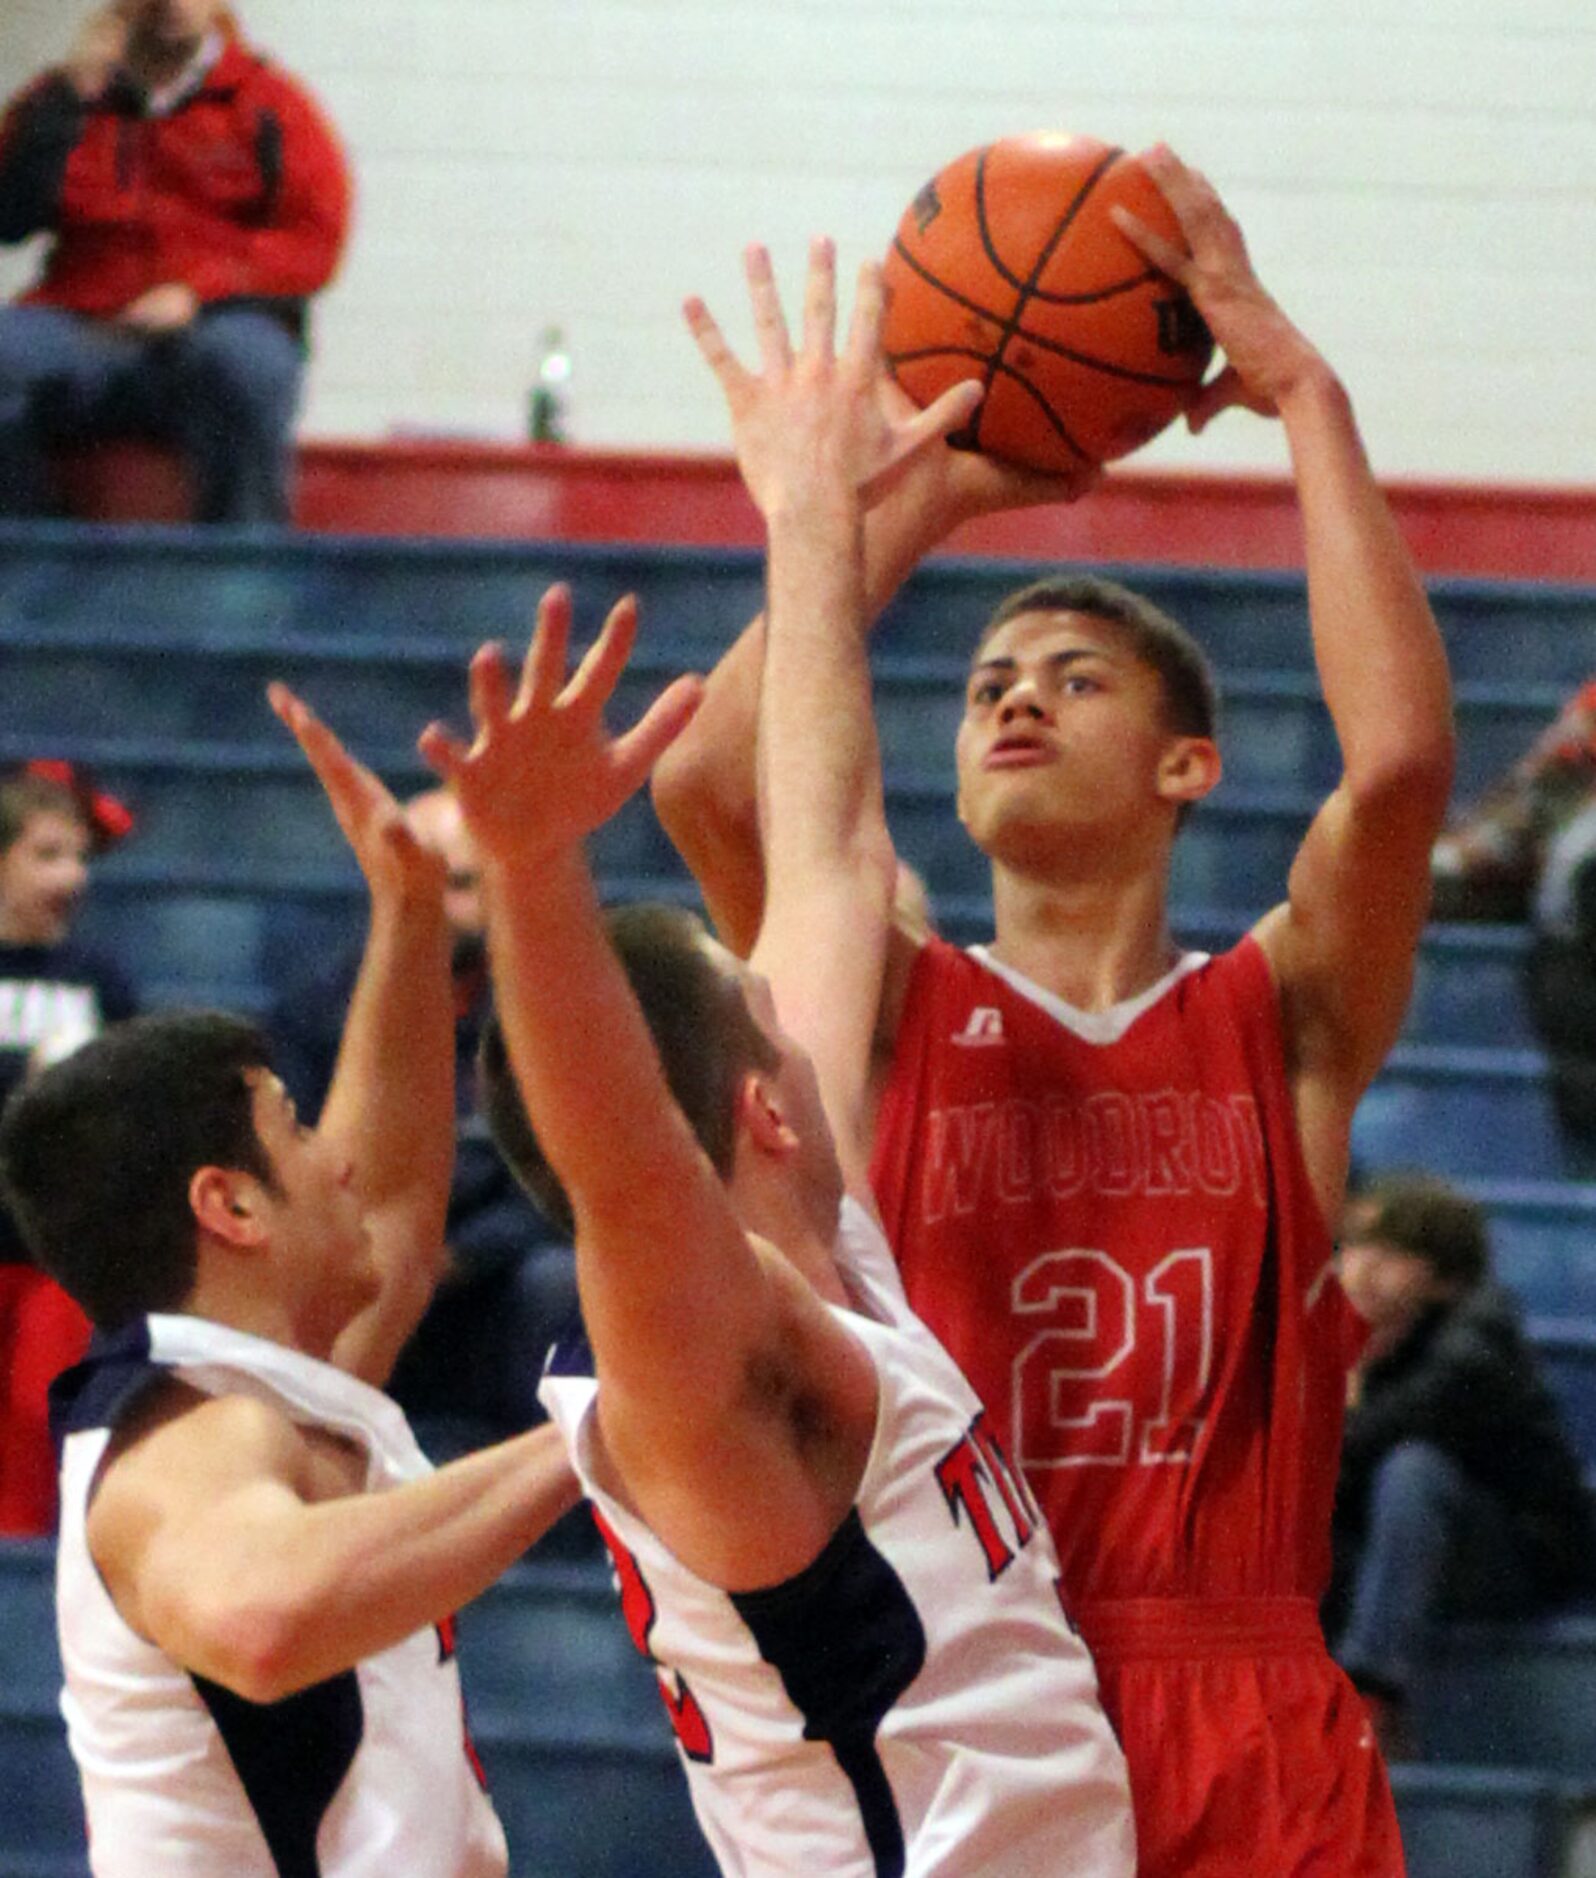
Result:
[223,391]
[1436,1544]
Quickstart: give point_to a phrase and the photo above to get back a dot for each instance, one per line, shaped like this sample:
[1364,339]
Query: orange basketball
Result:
[1007,267]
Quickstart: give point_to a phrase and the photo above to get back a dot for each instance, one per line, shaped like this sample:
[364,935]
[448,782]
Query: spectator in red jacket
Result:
[195,199]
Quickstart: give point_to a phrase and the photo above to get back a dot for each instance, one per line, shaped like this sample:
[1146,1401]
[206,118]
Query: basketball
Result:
[1008,267]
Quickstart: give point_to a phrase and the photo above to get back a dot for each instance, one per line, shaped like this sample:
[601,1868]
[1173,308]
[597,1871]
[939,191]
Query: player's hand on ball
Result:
[1267,358]
[944,486]
[543,771]
[809,423]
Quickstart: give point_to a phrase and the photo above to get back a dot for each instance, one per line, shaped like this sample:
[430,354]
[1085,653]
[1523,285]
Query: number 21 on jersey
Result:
[1115,1372]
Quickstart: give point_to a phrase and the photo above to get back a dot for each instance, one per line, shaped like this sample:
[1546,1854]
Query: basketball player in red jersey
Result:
[1106,1165]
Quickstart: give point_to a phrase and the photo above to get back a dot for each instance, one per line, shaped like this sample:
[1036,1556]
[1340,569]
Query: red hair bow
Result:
[109,820]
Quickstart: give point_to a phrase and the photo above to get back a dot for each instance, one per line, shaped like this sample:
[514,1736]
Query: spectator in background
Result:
[195,199]
[1524,852]
[54,995]
[470,1373]
[1459,1494]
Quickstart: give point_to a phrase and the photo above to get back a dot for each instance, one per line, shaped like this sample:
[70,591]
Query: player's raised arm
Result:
[703,1343]
[1342,946]
[541,775]
[391,1105]
[817,442]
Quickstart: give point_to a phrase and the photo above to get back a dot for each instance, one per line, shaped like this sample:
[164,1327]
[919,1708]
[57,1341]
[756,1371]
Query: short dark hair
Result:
[1424,1216]
[1191,696]
[705,1035]
[22,796]
[96,1155]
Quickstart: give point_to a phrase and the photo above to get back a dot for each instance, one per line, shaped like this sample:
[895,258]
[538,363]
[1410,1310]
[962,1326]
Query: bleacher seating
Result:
[146,651]
[41,1814]
[564,1712]
[1485,1823]
[1514,1695]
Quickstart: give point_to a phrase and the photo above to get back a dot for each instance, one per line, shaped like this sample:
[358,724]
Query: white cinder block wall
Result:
[1417,179]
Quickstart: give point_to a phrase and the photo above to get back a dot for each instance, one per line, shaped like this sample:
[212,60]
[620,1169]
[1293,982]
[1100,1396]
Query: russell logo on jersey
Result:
[983,1029]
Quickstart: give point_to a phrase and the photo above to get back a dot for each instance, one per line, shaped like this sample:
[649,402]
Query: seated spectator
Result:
[1459,1494]
[470,1373]
[1523,852]
[195,199]
[54,995]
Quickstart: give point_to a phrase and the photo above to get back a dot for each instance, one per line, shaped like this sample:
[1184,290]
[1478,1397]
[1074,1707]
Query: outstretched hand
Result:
[812,424]
[543,771]
[1266,356]
[373,823]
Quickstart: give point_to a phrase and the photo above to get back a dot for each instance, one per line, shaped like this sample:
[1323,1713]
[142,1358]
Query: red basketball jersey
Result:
[1107,1220]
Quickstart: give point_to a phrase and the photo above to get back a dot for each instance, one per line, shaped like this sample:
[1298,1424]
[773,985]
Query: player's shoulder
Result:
[176,1435]
[1245,973]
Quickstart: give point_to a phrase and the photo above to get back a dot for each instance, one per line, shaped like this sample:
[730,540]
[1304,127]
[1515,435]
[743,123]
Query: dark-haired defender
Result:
[1106,1165]
[257,1568]
[850,1599]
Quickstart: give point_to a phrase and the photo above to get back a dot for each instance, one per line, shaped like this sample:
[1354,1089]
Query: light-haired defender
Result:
[847,1589]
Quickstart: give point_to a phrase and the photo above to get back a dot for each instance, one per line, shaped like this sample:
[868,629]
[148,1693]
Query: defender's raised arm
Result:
[817,443]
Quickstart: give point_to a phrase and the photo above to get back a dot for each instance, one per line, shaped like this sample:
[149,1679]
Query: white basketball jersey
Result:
[366,1775]
[913,1702]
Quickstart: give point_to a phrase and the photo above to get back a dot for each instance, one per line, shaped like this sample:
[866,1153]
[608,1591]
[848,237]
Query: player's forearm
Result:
[819,763]
[335,1583]
[829,858]
[661,1261]
[1381,661]
[584,1062]
[391,1103]
[410,1260]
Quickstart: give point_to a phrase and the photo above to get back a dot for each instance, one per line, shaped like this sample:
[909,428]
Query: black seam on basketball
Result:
[1047,411]
[1099,293]
[953,293]
[1102,365]
[998,263]
[1001,267]
[1024,332]
[1049,247]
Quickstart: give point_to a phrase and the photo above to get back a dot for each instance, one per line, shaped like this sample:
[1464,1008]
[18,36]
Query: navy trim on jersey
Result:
[846,1640]
[570,1356]
[291,1757]
[98,1392]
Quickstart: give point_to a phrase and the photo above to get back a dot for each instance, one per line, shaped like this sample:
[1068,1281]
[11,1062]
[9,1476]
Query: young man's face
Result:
[171,26]
[315,1216]
[1063,737]
[42,877]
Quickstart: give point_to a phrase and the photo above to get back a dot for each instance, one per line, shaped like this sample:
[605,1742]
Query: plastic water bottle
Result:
[550,389]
